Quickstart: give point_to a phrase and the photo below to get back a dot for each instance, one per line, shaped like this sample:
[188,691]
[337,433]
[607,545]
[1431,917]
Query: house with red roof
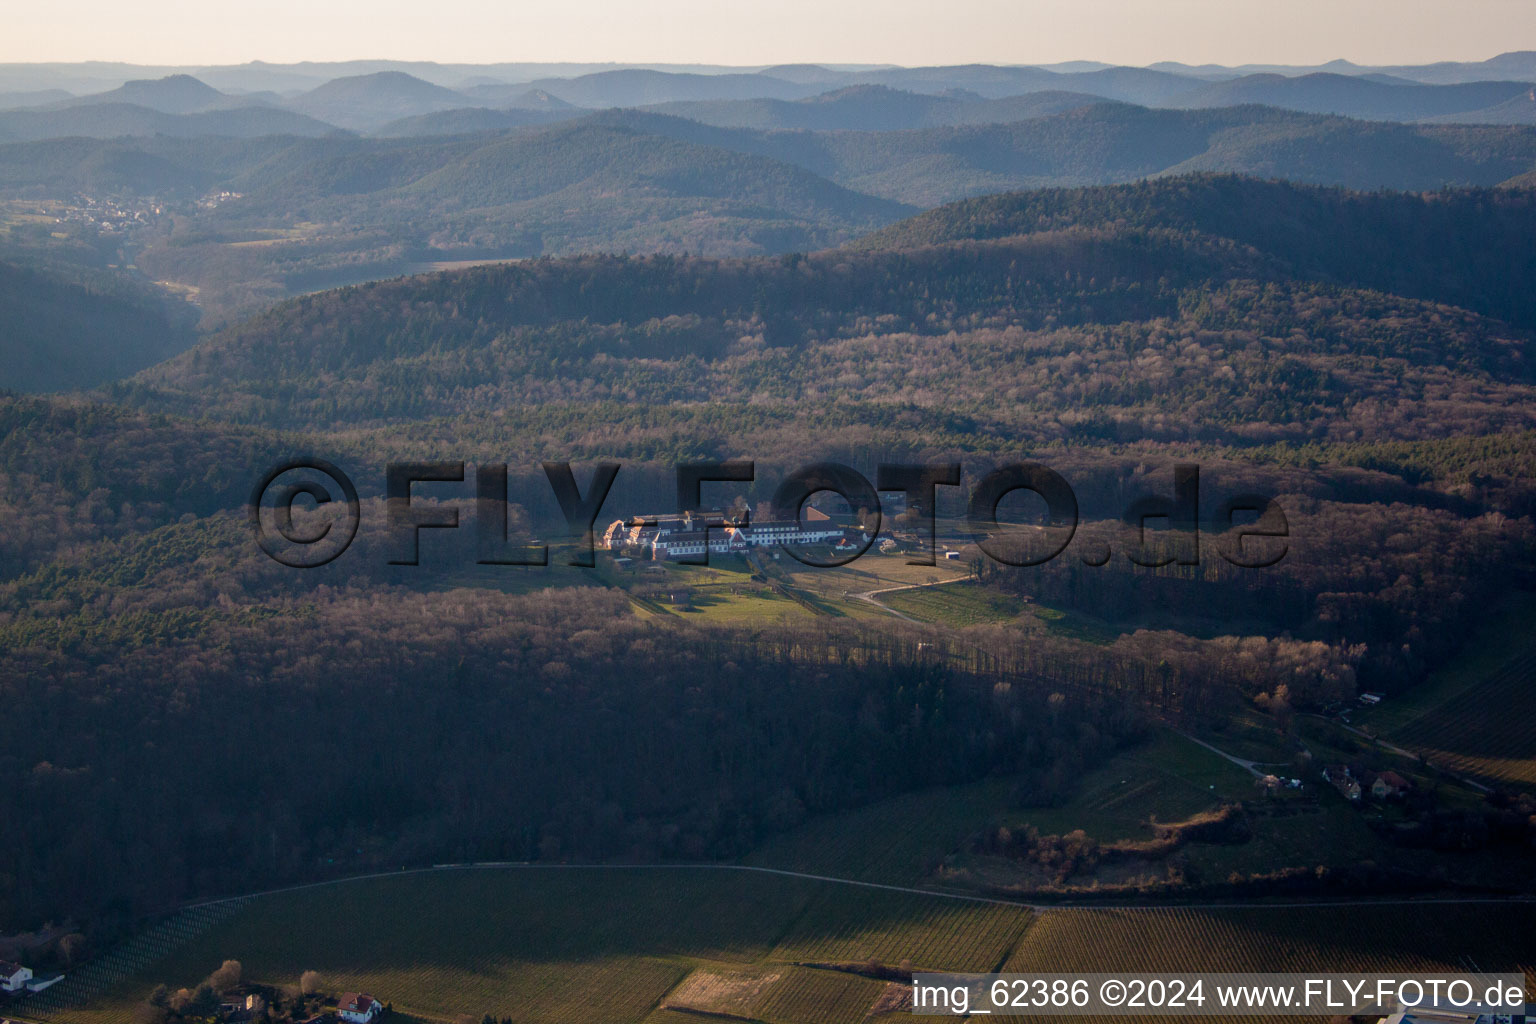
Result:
[358,1008]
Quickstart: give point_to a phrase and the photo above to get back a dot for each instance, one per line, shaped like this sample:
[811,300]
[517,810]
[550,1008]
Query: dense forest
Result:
[1363,359]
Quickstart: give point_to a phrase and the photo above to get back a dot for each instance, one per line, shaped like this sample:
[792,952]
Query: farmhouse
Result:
[13,976]
[1343,781]
[1389,784]
[358,1008]
[685,535]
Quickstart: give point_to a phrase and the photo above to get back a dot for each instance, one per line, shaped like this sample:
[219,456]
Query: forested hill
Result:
[1466,247]
[1189,323]
[646,322]
[70,326]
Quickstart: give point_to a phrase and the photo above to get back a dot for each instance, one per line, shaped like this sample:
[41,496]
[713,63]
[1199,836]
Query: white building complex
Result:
[682,535]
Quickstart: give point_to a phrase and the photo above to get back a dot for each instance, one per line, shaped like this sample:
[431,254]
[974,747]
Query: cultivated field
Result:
[894,842]
[1476,717]
[1488,732]
[552,945]
[1364,938]
[664,945]
[955,604]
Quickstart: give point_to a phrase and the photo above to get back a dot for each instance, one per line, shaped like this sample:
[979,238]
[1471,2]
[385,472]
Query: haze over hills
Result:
[33,98]
[174,94]
[820,99]
[642,87]
[874,108]
[1354,96]
[1105,142]
[244,198]
[516,97]
[368,101]
[1520,109]
[470,121]
[68,329]
[1086,143]
[119,120]
[291,79]
[475,185]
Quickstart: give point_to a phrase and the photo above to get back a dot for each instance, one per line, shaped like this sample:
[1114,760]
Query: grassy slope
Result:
[1167,778]
[1475,715]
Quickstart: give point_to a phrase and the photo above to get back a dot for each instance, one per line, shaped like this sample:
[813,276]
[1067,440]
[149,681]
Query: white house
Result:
[13,977]
[359,1008]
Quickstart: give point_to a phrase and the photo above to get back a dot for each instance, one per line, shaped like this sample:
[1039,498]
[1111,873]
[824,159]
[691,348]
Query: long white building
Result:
[673,535]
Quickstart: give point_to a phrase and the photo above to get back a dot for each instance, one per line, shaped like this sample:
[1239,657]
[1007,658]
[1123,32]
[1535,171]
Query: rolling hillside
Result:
[120,120]
[76,328]
[469,121]
[1110,331]
[1108,142]
[385,207]
[458,184]
[874,108]
[1467,249]
[614,161]
[638,87]
[487,778]
[174,94]
[364,102]
[1521,109]
[1353,96]
[1185,249]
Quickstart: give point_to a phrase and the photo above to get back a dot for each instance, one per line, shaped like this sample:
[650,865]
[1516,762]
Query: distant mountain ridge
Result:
[367,101]
[119,120]
[874,108]
[1089,143]
[888,99]
[1106,143]
[1351,96]
[291,79]
[174,94]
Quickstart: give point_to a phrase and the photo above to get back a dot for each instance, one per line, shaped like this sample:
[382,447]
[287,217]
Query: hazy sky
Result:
[738,32]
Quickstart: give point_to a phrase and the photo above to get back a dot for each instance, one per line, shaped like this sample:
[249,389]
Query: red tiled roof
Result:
[356,1002]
